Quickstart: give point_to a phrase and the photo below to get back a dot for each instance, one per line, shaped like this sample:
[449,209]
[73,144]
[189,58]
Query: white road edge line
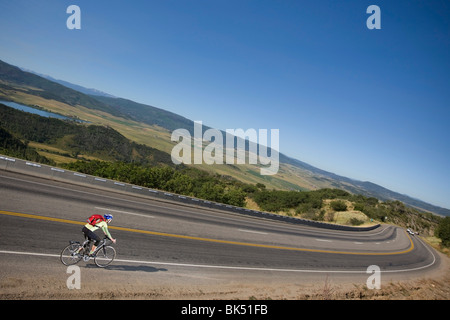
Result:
[251,231]
[229,267]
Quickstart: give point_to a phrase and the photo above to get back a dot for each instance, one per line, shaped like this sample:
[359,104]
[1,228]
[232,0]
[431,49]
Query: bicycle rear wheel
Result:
[70,256]
[105,256]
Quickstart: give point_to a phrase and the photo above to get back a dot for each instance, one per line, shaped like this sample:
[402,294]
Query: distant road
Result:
[38,215]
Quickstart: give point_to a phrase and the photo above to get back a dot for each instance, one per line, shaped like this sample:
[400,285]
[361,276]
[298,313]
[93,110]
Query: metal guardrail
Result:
[50,172]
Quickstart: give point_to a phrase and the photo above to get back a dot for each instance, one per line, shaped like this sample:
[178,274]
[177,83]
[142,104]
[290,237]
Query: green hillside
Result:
[77,139]
[147,114]
[13,147]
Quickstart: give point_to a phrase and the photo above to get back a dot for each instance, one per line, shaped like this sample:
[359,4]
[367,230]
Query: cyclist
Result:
[90,228]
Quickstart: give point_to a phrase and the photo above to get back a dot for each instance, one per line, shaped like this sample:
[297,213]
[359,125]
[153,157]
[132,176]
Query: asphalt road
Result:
[40,216]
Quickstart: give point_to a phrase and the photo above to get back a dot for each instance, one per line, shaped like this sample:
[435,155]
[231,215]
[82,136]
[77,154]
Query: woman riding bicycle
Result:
[97,222]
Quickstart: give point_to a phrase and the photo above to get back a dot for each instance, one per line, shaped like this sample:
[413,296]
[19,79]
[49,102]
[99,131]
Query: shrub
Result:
[359,206]
[356,222]
[338,205]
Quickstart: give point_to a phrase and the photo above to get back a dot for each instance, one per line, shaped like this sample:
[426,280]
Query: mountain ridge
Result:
[88,91]
[317,178]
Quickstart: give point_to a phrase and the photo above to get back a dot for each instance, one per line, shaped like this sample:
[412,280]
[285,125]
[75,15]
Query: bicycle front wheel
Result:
[70,256]
[105,256]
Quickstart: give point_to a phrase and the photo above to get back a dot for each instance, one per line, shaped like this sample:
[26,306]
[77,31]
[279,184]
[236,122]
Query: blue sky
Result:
[372,105]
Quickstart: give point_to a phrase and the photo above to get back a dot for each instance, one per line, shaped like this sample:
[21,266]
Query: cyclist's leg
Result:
[86,237]
[96,240]
[92,237]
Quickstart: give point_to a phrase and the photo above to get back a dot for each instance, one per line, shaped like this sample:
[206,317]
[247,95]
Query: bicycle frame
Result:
[100,246]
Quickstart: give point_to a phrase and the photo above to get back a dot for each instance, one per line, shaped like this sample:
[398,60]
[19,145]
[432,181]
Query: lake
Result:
[42,113]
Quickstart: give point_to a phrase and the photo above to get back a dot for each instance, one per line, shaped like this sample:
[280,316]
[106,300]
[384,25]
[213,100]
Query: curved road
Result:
[40,216]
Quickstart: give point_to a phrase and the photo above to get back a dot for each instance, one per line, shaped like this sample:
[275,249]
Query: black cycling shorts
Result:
[91,235]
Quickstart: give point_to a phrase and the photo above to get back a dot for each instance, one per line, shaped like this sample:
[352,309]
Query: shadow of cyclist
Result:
[129,268]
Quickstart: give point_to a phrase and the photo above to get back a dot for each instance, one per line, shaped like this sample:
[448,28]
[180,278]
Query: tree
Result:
[443,231]
[235,197]
[180,183]
[261,186]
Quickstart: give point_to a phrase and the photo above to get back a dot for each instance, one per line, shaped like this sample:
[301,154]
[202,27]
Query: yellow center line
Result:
[32,216]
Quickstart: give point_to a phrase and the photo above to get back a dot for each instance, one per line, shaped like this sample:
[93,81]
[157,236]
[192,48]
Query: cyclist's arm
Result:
[104,227]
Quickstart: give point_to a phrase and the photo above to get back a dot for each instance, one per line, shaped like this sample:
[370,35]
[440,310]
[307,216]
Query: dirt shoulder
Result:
[135,283]
[424,289]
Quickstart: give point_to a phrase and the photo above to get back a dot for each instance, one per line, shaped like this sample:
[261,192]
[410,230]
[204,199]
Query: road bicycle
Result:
[76,251]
